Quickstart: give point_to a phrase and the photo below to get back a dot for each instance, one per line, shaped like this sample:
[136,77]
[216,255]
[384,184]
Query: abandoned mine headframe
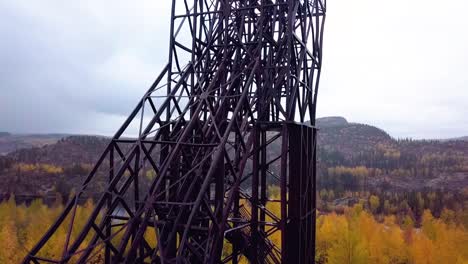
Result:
[227,132]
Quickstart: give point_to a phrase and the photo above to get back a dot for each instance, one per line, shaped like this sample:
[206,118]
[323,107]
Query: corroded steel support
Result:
[229,121]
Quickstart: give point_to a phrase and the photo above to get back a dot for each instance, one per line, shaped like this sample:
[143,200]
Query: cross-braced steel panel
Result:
[231,114]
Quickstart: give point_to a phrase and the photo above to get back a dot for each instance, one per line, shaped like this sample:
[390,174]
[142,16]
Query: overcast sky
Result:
[81,66]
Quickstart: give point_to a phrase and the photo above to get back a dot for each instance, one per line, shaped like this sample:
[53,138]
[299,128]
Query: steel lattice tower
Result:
[232,113]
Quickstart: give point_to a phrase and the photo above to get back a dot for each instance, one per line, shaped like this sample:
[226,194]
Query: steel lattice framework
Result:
[231,113]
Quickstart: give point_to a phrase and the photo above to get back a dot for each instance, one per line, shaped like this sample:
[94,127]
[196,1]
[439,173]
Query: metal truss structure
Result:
[232,113]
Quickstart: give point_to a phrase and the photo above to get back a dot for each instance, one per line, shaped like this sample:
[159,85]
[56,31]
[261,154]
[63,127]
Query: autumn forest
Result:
[379,199]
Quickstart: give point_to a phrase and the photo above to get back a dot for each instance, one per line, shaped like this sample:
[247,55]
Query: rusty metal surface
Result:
[242,79]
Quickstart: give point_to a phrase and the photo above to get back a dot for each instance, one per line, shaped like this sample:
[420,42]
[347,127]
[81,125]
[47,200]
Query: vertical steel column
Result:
[254,199]
[107,257]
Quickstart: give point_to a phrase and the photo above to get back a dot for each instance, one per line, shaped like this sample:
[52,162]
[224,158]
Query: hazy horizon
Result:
[110,135]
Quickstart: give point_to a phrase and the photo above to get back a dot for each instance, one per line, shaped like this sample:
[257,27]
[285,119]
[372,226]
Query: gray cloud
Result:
[400,65]
[80,67]
[76,67]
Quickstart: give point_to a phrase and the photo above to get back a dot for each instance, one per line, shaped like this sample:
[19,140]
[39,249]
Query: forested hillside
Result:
[399,177]
[12,142]
[355,161]
[353,155]
[44,171]
[380,199]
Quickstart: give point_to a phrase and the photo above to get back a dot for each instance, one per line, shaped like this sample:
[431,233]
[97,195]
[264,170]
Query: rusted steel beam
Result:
[231,114]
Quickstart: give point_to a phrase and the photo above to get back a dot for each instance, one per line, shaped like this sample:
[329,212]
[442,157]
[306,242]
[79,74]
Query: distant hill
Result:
[64,152]
[391,164]
[4,134]
[331,121]
[11,142]
[458,138]
[59,166]
[338,134]
[351,156]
